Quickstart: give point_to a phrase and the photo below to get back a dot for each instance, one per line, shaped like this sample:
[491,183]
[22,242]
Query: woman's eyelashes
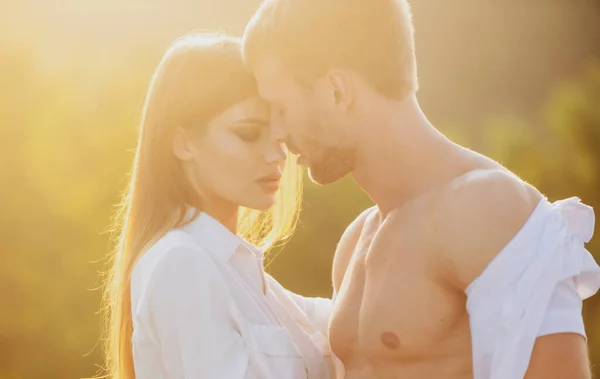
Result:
[249,133]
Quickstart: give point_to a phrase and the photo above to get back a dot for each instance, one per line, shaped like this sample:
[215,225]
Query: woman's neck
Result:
[224,212]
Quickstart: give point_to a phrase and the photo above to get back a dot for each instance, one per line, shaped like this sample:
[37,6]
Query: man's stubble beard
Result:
[331,165]
[329,162]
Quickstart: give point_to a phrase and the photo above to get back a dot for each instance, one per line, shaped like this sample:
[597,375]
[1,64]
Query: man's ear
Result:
[182,147]
[341,87]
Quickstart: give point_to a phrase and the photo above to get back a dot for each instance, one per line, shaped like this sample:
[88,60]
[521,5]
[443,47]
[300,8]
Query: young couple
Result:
[461,270]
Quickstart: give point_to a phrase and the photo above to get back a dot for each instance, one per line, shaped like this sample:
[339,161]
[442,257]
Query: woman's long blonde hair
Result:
[199,76]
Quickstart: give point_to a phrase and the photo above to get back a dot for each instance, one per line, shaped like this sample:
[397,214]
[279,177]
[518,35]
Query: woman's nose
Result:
[276,152]
[277,131]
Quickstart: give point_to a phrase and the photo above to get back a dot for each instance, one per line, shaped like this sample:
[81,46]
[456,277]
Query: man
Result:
[461,269]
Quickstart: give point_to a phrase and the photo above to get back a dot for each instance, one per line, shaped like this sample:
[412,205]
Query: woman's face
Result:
[232,159]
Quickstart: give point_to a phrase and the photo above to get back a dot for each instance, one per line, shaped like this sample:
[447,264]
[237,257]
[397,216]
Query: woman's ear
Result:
[183,148]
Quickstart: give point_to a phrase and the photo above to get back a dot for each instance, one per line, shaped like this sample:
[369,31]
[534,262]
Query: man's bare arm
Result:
[559,356]
[345,248]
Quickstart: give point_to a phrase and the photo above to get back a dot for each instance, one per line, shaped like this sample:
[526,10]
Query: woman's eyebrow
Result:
[253,120]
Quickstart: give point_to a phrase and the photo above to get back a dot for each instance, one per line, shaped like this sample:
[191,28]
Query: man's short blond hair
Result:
[375,38]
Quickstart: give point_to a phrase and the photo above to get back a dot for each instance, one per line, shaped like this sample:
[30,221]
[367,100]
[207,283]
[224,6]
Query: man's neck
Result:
[404,156]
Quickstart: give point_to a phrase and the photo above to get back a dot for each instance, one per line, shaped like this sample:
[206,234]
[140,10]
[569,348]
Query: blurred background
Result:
[516,80]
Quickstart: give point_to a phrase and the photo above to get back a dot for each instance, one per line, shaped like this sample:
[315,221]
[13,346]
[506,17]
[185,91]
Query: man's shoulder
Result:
[476,215]
[477,192]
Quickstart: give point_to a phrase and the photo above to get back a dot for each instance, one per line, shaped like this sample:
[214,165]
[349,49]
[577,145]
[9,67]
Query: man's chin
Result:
[321,176]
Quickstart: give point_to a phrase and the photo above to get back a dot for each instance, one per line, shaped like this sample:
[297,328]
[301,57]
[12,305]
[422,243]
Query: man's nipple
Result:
[390,340]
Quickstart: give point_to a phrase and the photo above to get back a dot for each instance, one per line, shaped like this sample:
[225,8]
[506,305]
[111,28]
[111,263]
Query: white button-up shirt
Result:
[534,287]
[203,307]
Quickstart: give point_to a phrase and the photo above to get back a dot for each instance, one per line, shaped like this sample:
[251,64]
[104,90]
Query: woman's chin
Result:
[262,203]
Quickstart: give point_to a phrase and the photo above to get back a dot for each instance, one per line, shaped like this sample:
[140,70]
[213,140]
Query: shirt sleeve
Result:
[564,311]
[188,311]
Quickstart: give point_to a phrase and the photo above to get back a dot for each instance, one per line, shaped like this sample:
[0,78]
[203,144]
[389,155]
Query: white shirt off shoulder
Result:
[535,286]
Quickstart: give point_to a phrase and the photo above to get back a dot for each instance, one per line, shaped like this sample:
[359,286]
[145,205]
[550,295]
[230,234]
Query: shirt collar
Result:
[215,238]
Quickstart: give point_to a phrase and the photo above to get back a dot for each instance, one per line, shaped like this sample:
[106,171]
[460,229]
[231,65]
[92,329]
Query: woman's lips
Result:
[270,183]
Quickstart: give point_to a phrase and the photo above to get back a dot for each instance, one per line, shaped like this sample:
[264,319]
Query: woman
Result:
[188,297]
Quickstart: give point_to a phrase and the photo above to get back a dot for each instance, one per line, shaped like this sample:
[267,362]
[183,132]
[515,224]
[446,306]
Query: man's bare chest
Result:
[390,304]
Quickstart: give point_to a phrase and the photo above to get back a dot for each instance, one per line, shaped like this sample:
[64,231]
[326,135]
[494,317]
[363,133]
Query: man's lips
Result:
[302,160]
[292,148]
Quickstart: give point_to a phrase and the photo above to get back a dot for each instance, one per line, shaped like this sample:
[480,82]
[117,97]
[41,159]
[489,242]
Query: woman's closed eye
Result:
[249,133]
